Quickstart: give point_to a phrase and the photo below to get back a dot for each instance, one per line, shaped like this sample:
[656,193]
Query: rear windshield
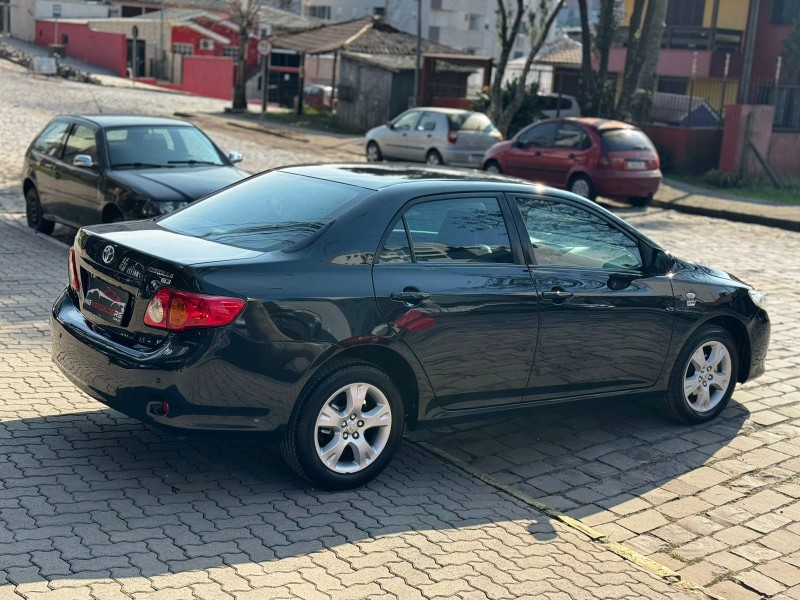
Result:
[471,121]
[621,140]
[273,211]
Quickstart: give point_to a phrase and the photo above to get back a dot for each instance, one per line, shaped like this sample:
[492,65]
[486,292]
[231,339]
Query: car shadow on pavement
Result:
[602,460]
[94,495]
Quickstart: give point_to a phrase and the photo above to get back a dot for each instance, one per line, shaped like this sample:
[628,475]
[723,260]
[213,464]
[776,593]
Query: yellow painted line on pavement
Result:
[593,534]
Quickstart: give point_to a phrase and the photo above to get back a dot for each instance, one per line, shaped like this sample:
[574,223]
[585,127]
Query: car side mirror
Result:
[83,160]
[663,261]
[235,157]
[390,125]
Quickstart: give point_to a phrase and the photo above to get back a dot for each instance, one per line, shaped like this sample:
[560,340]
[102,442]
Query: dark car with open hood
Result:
[82,170]
[335,306]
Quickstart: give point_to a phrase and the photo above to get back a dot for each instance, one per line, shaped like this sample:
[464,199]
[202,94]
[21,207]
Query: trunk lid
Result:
[121,266]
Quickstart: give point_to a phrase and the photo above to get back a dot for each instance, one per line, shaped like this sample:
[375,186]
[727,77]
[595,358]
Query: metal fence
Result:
[686,102]
[785,99]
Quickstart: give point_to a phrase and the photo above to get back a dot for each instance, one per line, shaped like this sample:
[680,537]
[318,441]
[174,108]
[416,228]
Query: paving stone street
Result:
[95,505]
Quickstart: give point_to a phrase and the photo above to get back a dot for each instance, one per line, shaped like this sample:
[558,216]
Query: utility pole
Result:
[161,49]
[419,52]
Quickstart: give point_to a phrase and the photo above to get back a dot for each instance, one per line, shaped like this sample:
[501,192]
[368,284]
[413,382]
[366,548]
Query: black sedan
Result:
[336,306]
[82,170]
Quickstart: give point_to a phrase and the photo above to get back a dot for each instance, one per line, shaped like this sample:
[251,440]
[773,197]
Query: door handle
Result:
[409,296]
[537,153]
[572,156]
[557,295]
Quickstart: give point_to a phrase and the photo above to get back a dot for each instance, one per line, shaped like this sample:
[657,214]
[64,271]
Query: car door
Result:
[79,185]
[605,322]
[396,144]
[569,150]
[450,282]
[524,156]
[422,137]
[45,153]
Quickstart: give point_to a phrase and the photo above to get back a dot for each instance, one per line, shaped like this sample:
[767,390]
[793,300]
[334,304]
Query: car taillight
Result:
[72,267]
[452,136]
[175,310]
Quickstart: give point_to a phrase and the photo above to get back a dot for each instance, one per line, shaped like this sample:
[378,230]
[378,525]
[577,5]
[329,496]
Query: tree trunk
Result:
[587,90]
[508,35]
[640,30]
[606,37]
[652,47]
[240,83]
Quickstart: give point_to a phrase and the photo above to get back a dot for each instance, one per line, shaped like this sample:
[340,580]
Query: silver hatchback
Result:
[437,136]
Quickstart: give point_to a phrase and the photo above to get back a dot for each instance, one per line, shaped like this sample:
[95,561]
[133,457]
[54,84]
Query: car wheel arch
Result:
[27,185]
[738,331]
[412,383]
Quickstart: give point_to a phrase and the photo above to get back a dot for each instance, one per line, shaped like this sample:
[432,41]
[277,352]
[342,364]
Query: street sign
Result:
[264,47]
[56,11]
[135,32]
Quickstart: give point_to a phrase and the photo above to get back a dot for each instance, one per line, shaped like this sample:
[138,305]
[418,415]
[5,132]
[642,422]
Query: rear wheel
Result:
[434,158]
[346,427]
[703,377]
[492,167]
[640,201]
[35,215]
[374,152]
[582,186]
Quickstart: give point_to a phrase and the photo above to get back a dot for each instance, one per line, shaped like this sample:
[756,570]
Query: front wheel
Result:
[346,427]
[492,167]
[374,152]
[35,214]
[703,377]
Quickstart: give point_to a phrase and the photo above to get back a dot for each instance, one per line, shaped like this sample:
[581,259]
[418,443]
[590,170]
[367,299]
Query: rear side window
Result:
[49,141]
[624,140]
[454,230]
[573,137]
[270,212]
[471,121]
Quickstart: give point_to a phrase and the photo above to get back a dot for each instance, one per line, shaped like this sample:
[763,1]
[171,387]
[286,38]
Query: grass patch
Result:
[759,189]
[310,119]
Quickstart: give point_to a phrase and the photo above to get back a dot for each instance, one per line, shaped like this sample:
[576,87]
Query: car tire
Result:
[695,364]
[493,167]
[433,158]
[640,201]
[581,185]
[348,453]
[374,153]
[35,214]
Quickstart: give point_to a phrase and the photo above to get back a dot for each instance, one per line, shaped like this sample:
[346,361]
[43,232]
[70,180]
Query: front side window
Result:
[50,139]
[454,230]
[406,122]
[80,141]
[566,235]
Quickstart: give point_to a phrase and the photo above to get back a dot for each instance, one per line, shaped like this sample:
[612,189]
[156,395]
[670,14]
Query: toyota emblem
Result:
[108,254]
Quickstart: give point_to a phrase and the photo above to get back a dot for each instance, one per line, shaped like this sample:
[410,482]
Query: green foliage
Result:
[790,69]
[528,112]
[723,179]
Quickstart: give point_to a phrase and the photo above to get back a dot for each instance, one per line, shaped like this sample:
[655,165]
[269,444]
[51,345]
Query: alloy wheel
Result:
[353,428]
[707,376]
[373,153]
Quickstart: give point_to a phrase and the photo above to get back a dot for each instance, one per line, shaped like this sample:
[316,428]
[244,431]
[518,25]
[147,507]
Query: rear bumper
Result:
[200,376]
[463,158]
[625,184]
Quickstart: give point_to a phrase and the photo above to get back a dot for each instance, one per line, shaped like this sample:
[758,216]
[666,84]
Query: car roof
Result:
[440,109]
[602,124]
[128,120]
[379,176]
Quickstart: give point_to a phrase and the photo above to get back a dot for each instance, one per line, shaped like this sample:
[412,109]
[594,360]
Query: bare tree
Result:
[539,23]
[640,29]
[596,92]
[652,46]
[244,14]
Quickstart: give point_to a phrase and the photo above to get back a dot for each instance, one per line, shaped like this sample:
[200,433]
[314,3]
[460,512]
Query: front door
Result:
[448,284]
[568,150]
[524,158]
[396,142]
[421,139]
[605,324]
[79,185]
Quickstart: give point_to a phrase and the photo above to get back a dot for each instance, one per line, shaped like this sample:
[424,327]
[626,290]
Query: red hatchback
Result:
[587,156]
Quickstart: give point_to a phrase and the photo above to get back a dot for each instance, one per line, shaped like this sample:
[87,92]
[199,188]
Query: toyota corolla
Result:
[337,306]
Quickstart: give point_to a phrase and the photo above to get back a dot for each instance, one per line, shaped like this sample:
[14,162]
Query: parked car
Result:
[335,306]
[587,156]
[319,97]
[552,106]
[437,136]
[100,169]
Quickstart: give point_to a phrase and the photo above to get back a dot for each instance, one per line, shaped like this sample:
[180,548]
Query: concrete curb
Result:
[740,217]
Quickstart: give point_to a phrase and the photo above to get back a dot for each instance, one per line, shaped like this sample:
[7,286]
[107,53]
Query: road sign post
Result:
[56,16]
[265,50]
[135,35]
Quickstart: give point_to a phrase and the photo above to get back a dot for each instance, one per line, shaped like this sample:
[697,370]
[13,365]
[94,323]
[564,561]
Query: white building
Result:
[469,25]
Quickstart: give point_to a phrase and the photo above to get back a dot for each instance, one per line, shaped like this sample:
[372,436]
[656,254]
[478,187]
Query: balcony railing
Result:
[682,37]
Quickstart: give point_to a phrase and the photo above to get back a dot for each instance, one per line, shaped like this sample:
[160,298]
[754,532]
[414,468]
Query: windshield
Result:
[471,121]
[267,212]
[622,140]
[160,147]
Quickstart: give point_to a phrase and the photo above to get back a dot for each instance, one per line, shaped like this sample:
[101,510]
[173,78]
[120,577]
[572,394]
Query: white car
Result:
[558,106]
